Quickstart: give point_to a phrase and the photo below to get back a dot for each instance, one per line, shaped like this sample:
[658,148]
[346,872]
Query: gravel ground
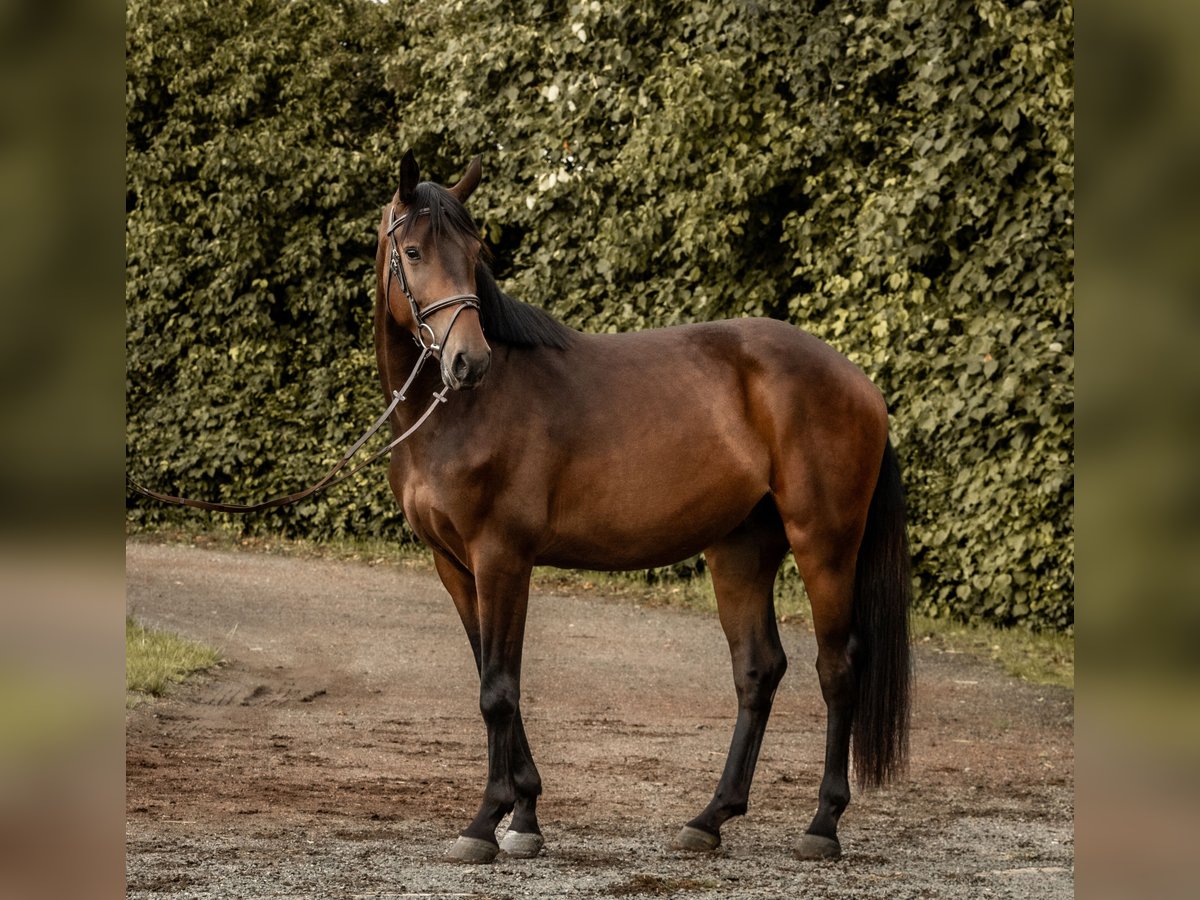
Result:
[339,751]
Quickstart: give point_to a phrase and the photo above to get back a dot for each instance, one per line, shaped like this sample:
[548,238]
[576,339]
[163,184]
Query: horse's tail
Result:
[882,598]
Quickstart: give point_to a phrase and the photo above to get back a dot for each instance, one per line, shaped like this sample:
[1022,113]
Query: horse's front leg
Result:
[492,604]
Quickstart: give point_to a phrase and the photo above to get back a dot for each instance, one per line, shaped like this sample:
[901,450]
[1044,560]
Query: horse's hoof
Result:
[521,846]
[695,840]
[473,850]
[814,846]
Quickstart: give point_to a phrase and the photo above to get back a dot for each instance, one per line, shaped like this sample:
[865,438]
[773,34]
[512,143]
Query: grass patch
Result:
[154,660]
[1036,656]
[1039,657]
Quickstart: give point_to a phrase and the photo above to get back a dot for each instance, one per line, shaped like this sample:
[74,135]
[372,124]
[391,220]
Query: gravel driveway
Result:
[340,750]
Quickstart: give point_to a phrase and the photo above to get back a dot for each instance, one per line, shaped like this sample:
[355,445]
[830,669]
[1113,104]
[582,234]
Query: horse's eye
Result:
[412,253]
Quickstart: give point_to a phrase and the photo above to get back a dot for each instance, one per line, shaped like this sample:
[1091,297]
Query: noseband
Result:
[396,269]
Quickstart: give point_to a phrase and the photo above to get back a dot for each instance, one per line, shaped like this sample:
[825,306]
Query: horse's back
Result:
[665,440]
[792,382]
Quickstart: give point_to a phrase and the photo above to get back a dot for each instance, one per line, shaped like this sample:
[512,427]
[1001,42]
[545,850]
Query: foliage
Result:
[895,177]
[255,156]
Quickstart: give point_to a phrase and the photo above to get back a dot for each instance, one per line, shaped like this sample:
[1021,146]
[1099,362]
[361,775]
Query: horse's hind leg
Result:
[829,583]
[743,567]
[524,836]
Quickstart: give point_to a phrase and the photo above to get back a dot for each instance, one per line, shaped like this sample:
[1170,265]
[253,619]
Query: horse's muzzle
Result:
[466,369]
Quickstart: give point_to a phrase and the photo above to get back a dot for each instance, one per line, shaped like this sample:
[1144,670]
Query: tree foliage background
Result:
[895,177]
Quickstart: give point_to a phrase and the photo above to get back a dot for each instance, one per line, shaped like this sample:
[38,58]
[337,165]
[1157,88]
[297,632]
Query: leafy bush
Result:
[256,159]
[895,177]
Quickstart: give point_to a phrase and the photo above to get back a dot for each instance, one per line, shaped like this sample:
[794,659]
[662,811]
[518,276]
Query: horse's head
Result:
[428,247]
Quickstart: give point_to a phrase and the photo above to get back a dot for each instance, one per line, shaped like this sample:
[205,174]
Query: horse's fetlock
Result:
[835,797]
[528,786]
[501,796]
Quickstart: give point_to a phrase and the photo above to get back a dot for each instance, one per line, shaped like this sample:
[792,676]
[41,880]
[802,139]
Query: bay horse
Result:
[740,439]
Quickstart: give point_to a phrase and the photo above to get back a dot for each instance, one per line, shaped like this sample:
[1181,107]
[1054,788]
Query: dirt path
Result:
[340,750]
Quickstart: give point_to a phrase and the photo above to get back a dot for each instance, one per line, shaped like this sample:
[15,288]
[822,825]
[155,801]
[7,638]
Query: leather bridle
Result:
[396,270]
[339,472]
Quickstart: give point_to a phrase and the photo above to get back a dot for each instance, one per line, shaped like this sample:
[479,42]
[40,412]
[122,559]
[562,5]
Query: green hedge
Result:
[256,162]
[895,177]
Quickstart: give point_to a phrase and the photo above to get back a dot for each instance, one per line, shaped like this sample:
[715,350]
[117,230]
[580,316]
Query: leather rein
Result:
[336,474]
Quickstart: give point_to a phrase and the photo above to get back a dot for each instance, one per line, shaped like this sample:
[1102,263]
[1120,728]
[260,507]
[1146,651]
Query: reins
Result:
[432,348]
[330,478]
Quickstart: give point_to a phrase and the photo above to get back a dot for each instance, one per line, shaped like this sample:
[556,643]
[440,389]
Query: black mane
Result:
[505,320]
[513,322]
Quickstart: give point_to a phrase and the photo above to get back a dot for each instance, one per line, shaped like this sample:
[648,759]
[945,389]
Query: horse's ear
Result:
[410,175]
[468,182]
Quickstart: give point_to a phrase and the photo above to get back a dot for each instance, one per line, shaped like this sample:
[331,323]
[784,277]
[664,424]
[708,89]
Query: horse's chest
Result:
[418,502]
[435,510]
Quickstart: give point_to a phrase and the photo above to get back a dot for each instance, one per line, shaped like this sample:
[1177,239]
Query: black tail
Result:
[882,598]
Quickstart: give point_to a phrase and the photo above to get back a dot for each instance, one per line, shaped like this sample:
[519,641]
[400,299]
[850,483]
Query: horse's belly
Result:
[642,516]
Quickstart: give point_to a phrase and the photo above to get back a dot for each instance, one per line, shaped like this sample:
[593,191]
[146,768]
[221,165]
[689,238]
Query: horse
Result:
[742,440]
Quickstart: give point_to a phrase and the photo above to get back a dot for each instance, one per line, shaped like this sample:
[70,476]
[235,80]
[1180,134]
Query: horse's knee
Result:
[499,699]
[757,681]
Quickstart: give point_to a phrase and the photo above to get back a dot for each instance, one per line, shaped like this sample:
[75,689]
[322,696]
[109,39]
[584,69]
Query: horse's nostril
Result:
[461,368]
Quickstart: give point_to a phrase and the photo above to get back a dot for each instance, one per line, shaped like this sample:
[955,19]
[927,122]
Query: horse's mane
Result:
[514,322]
[505,320]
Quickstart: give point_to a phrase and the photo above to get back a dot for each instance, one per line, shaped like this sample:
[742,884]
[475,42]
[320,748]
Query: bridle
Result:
[339,472]
[396,270]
